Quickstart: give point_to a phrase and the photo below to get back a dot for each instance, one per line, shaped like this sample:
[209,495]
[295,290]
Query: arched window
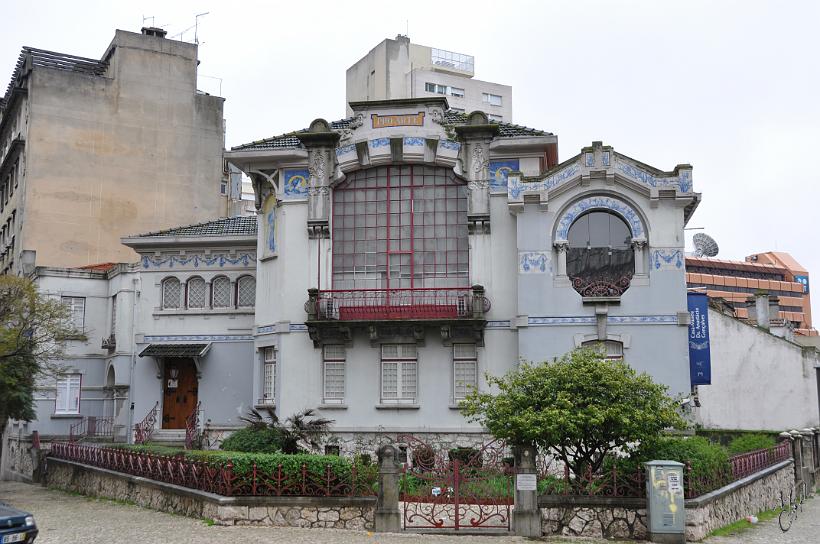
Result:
[171,294]
[245,292]
[600,258]
[197,293]
[609,349]
[221,292]
[400,227]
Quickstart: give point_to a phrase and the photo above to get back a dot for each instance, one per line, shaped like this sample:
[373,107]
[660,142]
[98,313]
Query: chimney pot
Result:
[153,31]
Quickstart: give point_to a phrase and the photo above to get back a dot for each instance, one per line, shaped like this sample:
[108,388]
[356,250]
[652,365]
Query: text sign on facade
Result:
[525,482]
[700,359]
[409,120]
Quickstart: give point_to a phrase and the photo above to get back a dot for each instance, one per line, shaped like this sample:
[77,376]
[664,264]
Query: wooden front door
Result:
[180,390]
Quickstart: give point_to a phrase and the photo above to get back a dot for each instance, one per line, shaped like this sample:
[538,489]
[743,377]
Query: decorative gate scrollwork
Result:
[465,488]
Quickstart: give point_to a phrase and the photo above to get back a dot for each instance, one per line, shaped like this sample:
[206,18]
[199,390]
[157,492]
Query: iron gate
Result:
[456,489]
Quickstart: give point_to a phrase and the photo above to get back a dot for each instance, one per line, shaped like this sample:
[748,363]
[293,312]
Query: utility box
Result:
[665,509]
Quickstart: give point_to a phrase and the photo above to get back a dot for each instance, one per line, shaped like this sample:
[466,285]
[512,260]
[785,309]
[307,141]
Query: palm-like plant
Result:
[302,431]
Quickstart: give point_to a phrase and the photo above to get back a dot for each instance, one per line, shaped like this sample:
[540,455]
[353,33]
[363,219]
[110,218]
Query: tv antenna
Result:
[146,17]
[705,245]
[196,25]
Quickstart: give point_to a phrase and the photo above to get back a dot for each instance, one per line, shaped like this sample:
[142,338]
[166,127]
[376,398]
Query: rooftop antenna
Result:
[705,245]
[196,25]
[146,17]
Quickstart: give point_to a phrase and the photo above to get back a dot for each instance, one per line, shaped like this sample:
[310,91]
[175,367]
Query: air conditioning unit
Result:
[328,308]
[109,343]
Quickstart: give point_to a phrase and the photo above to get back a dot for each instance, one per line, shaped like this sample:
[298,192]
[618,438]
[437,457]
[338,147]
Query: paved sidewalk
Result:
[64,518]
[805,530]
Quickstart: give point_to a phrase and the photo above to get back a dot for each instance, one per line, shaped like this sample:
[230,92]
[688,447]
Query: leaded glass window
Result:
[600,258]
[246,292]
[171,294]
[221,292]
[400,227]
[334,374]
[197,293]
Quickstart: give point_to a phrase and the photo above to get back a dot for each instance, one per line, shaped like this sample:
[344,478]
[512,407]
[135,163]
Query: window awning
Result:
[175,350]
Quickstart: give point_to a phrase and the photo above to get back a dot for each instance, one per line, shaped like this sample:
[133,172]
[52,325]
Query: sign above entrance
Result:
[407,120]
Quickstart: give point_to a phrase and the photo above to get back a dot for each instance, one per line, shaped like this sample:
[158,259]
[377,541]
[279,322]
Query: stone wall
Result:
[743,498]
[351,443]
[19,459]
[593,517]
[354,513]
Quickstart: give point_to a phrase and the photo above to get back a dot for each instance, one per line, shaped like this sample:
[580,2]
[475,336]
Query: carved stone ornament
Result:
[437,115]
[480,160]
[317,168]
[478,184]
[347,133]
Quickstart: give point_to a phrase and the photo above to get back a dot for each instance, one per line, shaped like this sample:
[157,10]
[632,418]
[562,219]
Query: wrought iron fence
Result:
[192,434]
[388,304]
[92,427]
[145,428]
[224,478]
[609,483]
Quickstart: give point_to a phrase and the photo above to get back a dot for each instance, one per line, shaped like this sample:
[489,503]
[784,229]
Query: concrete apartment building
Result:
[95,149]
[400,69]
[777,274]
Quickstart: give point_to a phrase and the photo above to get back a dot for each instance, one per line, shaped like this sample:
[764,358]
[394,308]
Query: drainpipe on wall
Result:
[131,396]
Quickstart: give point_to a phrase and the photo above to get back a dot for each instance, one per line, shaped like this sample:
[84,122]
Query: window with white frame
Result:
[491,99]
[245,292]
[609,349]
[221,292]
[494,118]
[171,294]
[268,375]
[76,311]
[399,374]
[197,293]
[68,394]
[455,91]
[465,370]
[334,374]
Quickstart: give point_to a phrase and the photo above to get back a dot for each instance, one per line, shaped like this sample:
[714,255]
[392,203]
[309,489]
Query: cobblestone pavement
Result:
[805,530]
[64,518]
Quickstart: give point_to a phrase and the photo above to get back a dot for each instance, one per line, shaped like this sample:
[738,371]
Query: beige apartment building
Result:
[400,69]
[95,149]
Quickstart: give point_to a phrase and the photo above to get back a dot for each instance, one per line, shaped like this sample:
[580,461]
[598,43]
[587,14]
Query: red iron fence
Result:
[226,478]
[389,304]
[92,427]
[192,434]
[145,428]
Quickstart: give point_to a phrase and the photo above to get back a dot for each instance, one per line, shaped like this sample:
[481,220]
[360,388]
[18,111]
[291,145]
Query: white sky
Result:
[730,87]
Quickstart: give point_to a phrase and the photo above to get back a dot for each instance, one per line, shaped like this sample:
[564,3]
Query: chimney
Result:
[153,31]
[761,303]
[774,309]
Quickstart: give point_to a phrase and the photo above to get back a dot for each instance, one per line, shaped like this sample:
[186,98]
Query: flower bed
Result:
[233,473]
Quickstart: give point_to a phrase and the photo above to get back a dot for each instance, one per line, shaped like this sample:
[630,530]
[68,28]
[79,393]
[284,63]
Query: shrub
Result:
[154,449]
[707,459]
[269,462]
[252,440]
[750,442]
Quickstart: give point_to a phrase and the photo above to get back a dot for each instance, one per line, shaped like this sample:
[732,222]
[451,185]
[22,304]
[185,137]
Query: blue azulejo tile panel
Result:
[344,150]
[600,202]
[198,261]
[642,320]
[414,142]
[297,327]
[667,258]
[500,324]
[199,338]
[379,142]
[685,181]
[534,262]
[553,321]
[498,174]
[266,329]
[449,144]
[295,184]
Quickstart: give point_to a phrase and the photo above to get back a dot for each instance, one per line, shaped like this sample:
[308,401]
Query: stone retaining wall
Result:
[19,459]
[354,513]
[743,498]
[593,517]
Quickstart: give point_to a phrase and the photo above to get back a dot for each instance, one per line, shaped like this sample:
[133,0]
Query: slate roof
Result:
[51,59]
[226,226]
[451,119]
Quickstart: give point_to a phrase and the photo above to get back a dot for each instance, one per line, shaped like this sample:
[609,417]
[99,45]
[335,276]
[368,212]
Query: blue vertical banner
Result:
[700,358]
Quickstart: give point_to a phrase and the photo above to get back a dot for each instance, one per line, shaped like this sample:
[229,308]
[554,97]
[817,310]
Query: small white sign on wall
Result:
[526,482]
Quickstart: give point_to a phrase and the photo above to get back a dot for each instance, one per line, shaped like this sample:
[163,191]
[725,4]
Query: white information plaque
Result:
[526,482]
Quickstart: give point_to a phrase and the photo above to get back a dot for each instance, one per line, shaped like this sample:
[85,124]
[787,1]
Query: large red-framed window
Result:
[400,227]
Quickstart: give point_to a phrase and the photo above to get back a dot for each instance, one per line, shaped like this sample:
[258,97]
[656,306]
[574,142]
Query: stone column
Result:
[320,141]
[639,246]
[388,518]
[561,247]
[797,453]
[476,136]
[526,515]
[808,458]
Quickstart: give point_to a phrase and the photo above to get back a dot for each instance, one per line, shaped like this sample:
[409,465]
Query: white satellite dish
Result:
[705,245]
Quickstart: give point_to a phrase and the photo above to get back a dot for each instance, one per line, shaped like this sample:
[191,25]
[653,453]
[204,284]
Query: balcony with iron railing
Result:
[421,304]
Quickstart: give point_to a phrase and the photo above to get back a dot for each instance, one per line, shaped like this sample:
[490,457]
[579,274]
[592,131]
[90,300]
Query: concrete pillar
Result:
[388,518]
[797,453]
[762,310]
[526,515]
[808,458]
[561,247]
[639,246]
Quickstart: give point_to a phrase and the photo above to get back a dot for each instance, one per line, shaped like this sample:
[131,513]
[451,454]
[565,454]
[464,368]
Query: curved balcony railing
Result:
[394,304]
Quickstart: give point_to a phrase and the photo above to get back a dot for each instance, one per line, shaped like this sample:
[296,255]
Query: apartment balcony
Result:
[334,314]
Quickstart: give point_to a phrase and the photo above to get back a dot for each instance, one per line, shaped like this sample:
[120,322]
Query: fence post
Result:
[808,459]
[388,518]
[526,515]
[797,453]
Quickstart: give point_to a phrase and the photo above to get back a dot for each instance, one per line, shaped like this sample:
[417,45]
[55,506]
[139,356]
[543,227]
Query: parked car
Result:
[16,525]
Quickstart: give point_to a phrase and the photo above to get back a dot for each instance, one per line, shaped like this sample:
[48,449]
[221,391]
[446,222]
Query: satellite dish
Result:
[705,245]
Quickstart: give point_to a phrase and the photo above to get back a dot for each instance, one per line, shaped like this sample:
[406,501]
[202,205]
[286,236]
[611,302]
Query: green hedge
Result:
[706,458]
[751,442]
[251,440]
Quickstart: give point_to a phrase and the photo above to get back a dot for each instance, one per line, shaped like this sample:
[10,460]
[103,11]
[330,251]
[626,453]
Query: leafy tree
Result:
[32,327]
[303,431]
[580,408]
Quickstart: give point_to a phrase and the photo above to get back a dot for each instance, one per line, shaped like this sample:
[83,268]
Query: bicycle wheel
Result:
[785,520]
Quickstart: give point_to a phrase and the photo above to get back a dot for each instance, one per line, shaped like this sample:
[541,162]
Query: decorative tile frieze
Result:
[197,261]
[266,329]
[683,179]
[668,258]
[619,207]
[611,320]
[198,338]
[534,262]
[516,186]
[551,321]
[498,324]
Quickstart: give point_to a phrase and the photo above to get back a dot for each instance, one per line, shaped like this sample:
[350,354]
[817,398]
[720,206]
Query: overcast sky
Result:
[730,87]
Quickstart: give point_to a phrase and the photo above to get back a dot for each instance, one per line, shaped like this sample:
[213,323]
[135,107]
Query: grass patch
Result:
[743,525]
[209,522]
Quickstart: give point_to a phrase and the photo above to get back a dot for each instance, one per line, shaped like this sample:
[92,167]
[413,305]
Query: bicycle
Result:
[790,510]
